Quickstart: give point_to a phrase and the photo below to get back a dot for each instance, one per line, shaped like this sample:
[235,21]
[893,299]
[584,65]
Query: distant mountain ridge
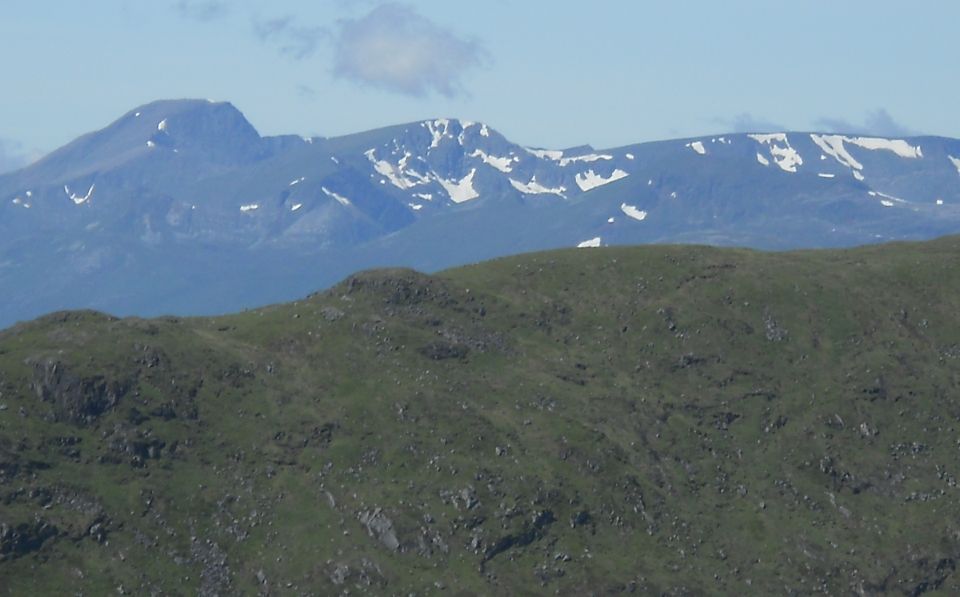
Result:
[181,206]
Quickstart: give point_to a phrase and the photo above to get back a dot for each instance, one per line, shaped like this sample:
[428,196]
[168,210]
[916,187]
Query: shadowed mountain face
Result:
[656,420]
[181,206]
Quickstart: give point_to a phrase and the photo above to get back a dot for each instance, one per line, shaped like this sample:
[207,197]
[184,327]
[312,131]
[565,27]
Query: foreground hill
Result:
[658,419]
[177,205]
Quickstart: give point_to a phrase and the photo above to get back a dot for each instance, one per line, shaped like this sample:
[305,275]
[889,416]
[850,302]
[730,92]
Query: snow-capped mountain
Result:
[182,207]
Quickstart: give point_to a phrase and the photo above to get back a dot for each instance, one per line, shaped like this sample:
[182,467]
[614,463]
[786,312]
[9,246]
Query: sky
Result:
[545,73]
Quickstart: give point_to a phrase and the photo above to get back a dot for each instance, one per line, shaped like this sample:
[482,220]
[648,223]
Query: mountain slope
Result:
[649,419]
[187,190]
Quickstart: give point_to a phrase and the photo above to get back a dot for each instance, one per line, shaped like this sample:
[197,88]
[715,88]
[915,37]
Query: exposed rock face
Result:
[215,573]
[442,350]
[24,538]
[400,288]
[331,313]
[773,330]
[380,528]
[534,532]
[365,573]
[75,399]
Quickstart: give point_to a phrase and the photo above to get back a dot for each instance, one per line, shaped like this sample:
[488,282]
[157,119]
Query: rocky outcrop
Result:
[380,528]
[533,532]
[74,398]
[21,539]
[442,350]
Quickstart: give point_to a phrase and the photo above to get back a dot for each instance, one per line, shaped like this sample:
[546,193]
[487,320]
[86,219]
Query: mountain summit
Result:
[215,133]
[181,206]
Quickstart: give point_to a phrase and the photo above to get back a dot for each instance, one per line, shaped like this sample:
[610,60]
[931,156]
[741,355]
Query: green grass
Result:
[722,421]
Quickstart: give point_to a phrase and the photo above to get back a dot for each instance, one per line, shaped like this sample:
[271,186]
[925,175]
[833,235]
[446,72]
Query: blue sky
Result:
[545,73]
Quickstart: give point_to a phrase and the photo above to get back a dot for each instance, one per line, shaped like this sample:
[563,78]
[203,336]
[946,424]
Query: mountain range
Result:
[183,207]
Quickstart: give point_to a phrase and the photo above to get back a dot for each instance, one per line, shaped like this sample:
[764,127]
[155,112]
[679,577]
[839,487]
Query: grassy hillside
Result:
[652,419]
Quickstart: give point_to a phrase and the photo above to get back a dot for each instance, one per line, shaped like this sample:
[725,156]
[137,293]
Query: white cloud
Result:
[293,39]
[879,122]
[201,10]
[748,123]
[397,49]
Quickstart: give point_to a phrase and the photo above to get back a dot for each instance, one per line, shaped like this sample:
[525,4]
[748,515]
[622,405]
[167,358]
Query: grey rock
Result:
[380,527]
[331,313]
[772,329]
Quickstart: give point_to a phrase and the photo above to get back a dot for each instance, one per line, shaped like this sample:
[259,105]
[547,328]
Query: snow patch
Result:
[535,188]
[425,196]
[77,199]
[825,175]
[296,206]
[29,194]
[763,160]
[340,198]
[151,144]
[438,130]
[249,207]
[955,162]
[163,125]
[858,176]
[629,156]
[484,131]
[501,164]
[591,180]
[593,242]
[418,178]
[545,154]
[462,190]
[464,125]
[415,206]
[897,146]
[886,203]
[632,211]
[832,145]
[782,153]
[767,138]
[387,169]
[939,201]
[590,157]
[297,181]
[137,115]
[890,197]
[611,220]
[334,160]
[698,147]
